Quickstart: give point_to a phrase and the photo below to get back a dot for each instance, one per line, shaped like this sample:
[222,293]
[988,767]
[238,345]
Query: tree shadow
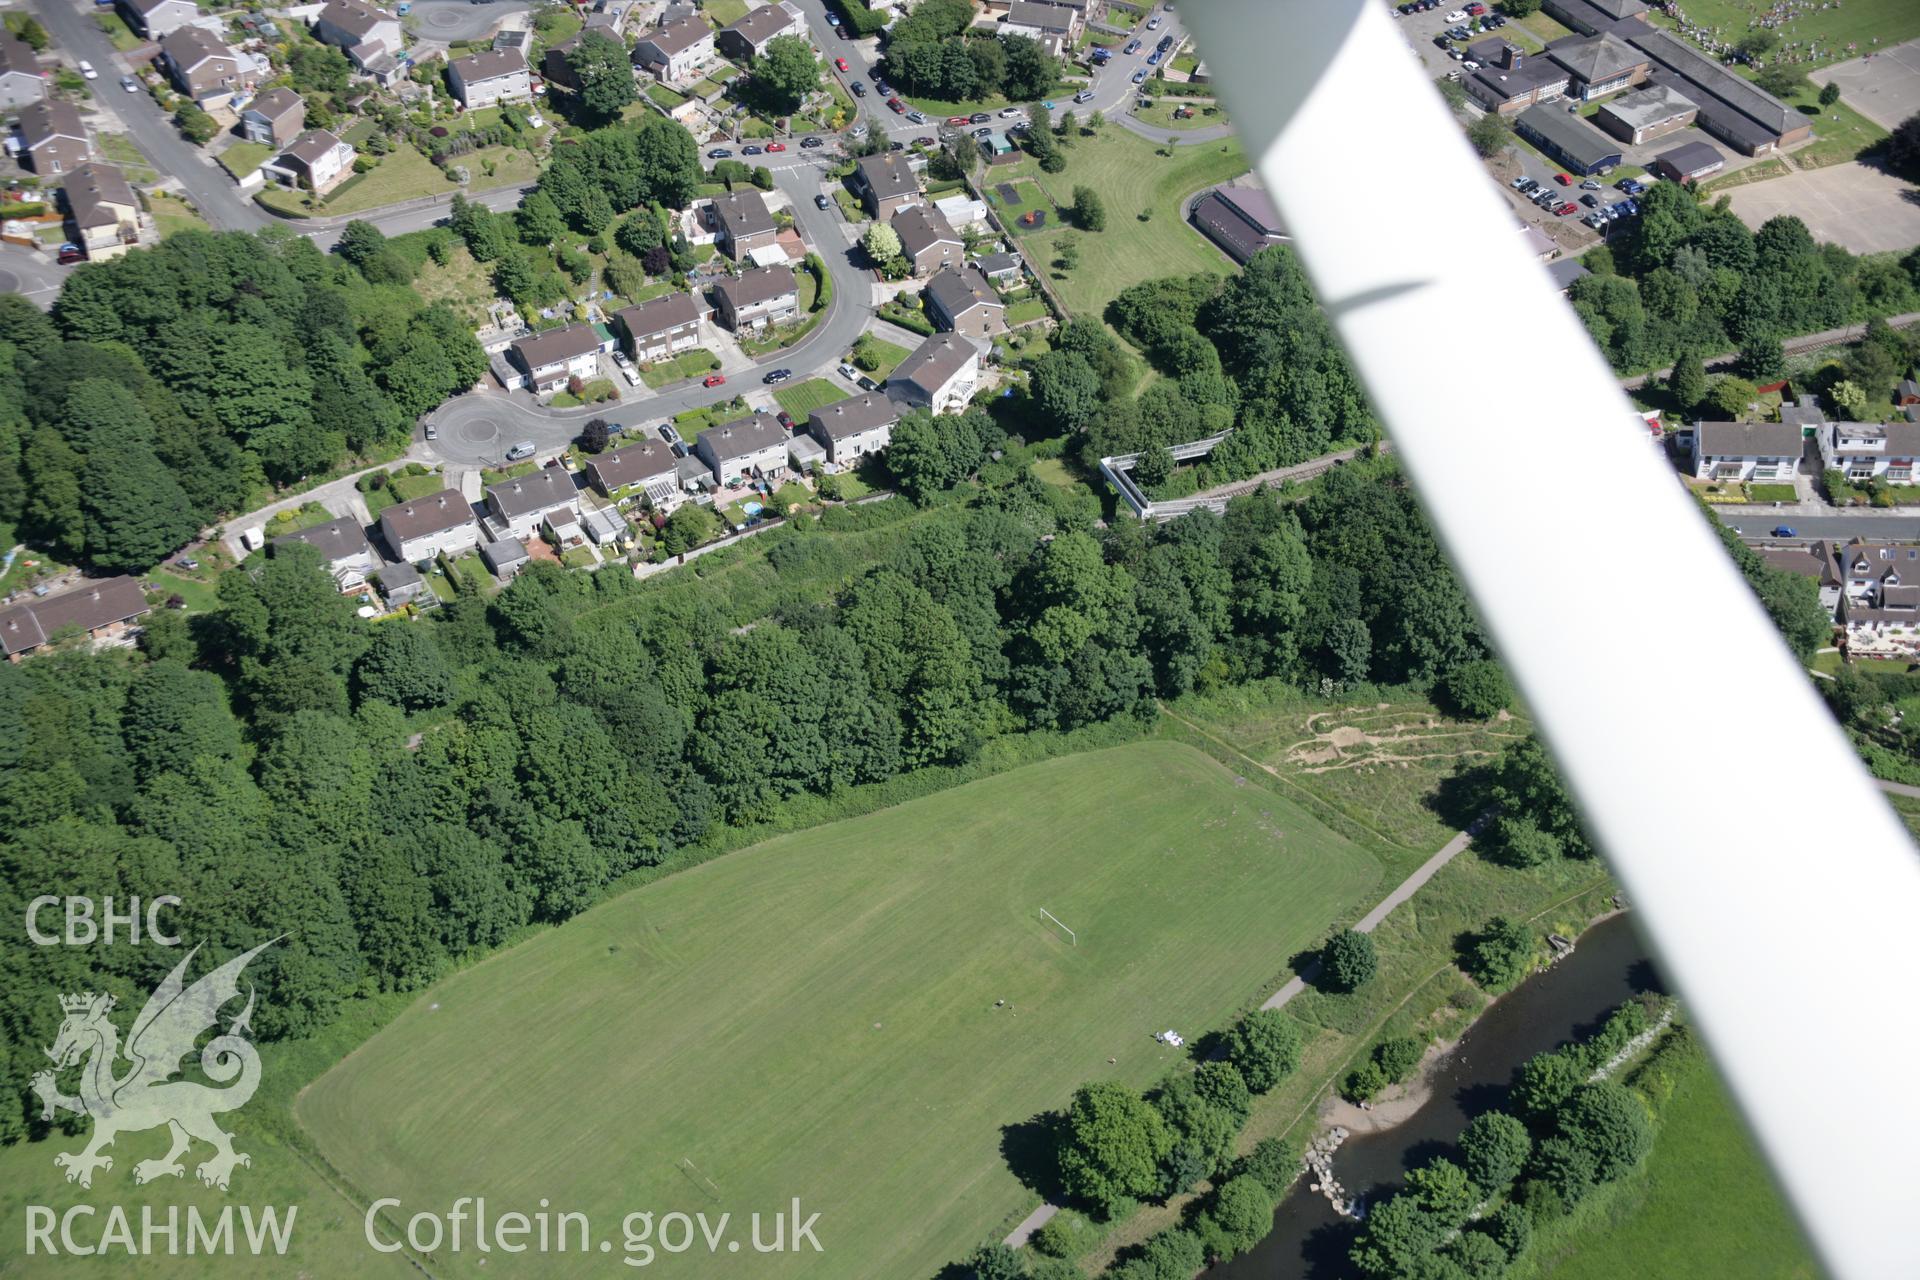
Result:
[1478,1099]
[1031,1149]
[1461,796]
[1425,1151]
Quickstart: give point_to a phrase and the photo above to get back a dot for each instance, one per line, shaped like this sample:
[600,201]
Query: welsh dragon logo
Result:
[146,1096]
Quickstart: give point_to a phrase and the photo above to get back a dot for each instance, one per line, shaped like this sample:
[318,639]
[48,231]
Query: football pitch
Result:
[817,1017]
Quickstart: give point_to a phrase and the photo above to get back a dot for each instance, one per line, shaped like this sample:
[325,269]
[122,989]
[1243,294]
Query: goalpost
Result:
[1071,936]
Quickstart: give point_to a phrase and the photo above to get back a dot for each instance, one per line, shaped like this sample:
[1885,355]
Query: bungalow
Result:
[490,76]
[363,33]
[750,446]
[316,161]
[439,524]
[548,360]
[649,468]
[659,327]
[941,374]
[517,508]
[852,428]
[743,222]
[505,558]
[344,548]
[275,117]
[204,68]
[52,139]
[675,53]
[20,78]
[748,37]
[103,611]
[104,211]
[157,19]
[1726,451]
[961,300]
[1004,270]
[757,298]
[1866,451]
[927,241]
[886,184]
[1646,114]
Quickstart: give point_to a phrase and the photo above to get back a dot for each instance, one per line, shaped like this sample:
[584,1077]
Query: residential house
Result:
[203,67]
[927,241]
[963,301]
[439,524]
[757,298]
[157,19]
[886,184]
[743,222]
[1004,270]
[365,34]
[517,508]
[1880,598]
[20,79]
[1867,451]
[648,468]
[660,326]
[343,547]
[1598,65]
[547,361]
[1056,27]
[962,211]
[103,209]
[1240,219]
[315,161]
[1689,162]
[1646,114]
[52,139]
[489,77]
[275,117]
[103,610]
[748,37]
[675,53]
[402,584]
[1732,108]
[1733,451]
[1908,392]
[755,445]
[505,558]
[1515,81]
[942,374]
[1576,144]
[852,428]
[1817,560]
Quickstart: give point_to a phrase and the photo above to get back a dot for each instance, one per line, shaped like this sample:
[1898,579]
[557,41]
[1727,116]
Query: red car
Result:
[898,106]
[776,146]
[714,380]
[1563,179]
[959,119]
[1476,11]
[840,63]
[1567,208]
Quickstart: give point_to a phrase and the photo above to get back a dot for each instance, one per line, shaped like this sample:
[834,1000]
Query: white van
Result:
[522,450]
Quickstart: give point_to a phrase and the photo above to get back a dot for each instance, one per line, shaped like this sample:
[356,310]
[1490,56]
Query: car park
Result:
[522,450]
[719,153]
[714,380]
[820,201]
[778,375]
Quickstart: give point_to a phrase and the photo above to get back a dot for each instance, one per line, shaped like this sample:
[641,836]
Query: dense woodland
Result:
[934,52]
[262,761]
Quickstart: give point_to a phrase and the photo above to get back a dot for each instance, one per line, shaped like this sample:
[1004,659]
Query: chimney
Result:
[1512,57]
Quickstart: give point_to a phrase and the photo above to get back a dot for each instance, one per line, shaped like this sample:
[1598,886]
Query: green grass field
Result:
[1131,178]
[802,398]
[815,1016]
[1857,21]
[1701,1205]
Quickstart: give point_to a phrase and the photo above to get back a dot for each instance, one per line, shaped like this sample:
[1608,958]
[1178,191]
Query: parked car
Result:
[1153,59]
[69,254]
[840,64]
[1153,24]
[1567,208]
[1138,77]
[881,87]
[785,419]
[1564,179]
[820,201]
[1133,47]
[1457,15]
[714,380]
[926,141]
[522,450]
[775,146]
[129,84]
[432,433]
[1590,185]
[1590,200]
[1471,65]
[1085,95]
[750,151]
[1518,182]
[1008,113]
[668,435]
[896,106]
[86,69]
[847,371]
[859,89]
[1785,531]
[896,145]
[777,375]
[916,117]
[1596,220]
[809,143]
[719,153]
[1477,9]
[979,117]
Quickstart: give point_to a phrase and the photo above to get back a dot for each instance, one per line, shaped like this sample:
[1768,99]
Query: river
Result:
[1569,1001]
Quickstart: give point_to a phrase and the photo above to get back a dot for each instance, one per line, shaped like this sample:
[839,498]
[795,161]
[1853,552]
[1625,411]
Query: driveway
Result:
[1884,86]
[31,273]
[480,426]
[1866,209]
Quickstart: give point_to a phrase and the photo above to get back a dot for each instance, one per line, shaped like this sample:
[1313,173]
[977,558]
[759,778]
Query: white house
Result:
[517,508]
[157,19]
[314,161]
[548,360]
[1734,451]
[439,524]
[363,33]
[20,80]
[755,445]
[941,374]
[104,210]
[852,428]
[1866,451]
[489,77]
[675,54]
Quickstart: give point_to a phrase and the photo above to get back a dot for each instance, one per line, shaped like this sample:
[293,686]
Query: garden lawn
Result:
[889,354]
[244,158]
[815,1017]
[1130,179]
[723,13]
[1701,1205]
[463,284]
[171,214]
[407,175]
[801,399]
[696,363]
[122,151]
